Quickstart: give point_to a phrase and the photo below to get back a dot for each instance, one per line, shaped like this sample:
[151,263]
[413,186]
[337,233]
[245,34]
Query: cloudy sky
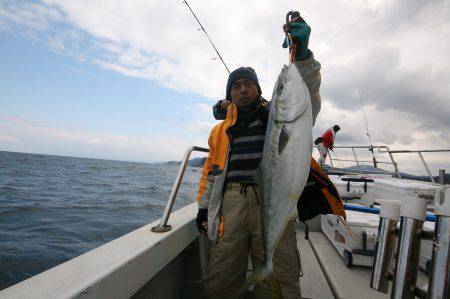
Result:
[135,80]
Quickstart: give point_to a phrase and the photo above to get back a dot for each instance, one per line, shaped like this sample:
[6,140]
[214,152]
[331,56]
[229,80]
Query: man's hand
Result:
[300,32]
[202,221]
[224,104]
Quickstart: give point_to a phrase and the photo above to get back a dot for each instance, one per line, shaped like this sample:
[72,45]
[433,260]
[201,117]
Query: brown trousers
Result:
[228,259]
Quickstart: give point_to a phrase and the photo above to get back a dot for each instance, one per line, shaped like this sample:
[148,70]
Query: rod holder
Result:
[412,217]
[384,248]
[439,284]
[442,176]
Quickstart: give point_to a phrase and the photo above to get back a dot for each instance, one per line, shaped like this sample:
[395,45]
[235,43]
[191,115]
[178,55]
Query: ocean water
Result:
[55,208]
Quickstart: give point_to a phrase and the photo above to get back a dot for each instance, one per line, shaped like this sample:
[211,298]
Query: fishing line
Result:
[367,129]
[202,28]
[336,156]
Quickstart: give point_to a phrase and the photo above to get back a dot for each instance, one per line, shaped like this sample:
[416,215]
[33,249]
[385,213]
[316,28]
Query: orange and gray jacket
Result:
[212,182]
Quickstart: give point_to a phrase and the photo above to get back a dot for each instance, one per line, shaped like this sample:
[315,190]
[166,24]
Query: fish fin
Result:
[283,139]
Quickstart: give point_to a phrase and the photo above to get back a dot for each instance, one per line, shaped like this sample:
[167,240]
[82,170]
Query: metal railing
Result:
[386,150]
[163,226]
[419,153]
[369,148]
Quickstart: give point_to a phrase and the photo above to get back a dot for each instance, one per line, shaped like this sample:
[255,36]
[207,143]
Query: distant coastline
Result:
[195,162]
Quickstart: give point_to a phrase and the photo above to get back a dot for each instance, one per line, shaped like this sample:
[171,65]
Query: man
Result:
[326,142]
[228,195]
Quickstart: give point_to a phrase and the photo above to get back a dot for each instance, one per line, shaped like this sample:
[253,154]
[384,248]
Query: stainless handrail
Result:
[416,151]
[362,161]
[426,167]
[370,148]
[386,150]
[163,226]
[419,153]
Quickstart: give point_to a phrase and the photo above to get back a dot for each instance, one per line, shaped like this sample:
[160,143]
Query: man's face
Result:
[244,92]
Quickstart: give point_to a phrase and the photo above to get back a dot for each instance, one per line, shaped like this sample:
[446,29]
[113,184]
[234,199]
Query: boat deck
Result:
[326,276]
[313,283]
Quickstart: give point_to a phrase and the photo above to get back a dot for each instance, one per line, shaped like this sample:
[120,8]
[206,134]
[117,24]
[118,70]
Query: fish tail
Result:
[272,282]
[261,275]
[255,277]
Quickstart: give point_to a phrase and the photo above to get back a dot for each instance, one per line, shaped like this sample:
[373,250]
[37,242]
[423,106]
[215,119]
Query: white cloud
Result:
[21,134]
[55,43]
[205,108]
[202,127]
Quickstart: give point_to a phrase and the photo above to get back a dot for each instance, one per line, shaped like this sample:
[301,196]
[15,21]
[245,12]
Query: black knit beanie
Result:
[241,73]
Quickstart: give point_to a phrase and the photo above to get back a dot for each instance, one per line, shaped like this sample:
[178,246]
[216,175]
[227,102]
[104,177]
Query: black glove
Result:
[318,140]
[218,112]
[202,216]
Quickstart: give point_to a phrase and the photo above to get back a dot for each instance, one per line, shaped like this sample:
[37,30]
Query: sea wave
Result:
[59,207]
[20,209]
[9,188]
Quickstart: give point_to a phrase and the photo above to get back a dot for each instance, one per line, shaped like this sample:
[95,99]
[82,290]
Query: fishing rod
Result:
[367,130]
[203,29]
[336,155]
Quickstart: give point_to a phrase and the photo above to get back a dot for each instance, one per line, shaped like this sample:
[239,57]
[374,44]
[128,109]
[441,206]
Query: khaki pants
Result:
[228,259]
[323,154]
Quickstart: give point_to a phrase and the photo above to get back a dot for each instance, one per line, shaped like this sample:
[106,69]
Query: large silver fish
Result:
[285,163]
